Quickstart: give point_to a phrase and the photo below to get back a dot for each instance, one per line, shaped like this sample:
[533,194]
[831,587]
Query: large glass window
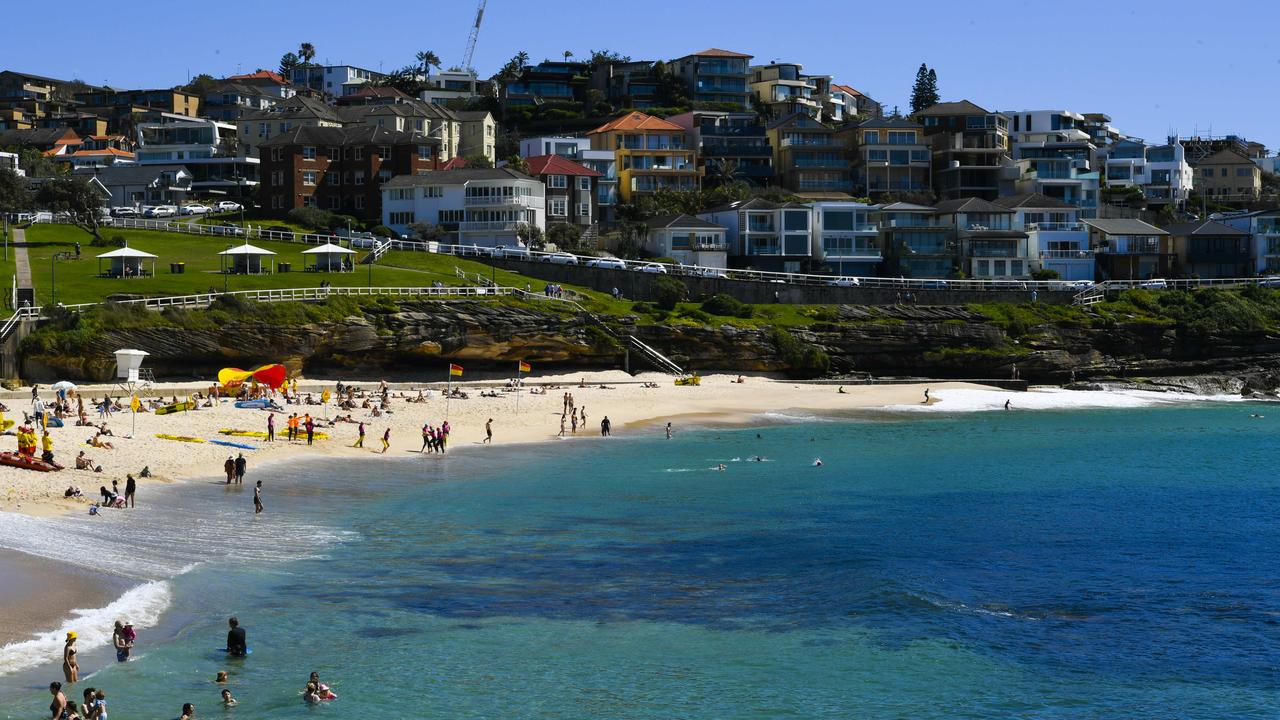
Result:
[796,220]
[837,220]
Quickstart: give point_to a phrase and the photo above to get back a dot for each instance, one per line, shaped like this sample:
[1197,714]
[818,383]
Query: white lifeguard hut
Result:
[126,262]
[245,259]
[129,365]
[329,258]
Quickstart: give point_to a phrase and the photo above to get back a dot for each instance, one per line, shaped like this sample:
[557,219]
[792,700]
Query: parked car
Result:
[705,272]
[124,211]
[934,284]
[159,211]
[1271,281]
[1070,284]
[359,241]
[228,206]
[657,268]
[231,230]
[844,282]
[560,258]
[195,209]
[517,252]
[607,263]
[1154,284]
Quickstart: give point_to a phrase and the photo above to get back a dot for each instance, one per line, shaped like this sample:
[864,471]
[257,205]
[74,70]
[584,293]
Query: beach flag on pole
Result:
[525,367]
[455,370]
[135,404]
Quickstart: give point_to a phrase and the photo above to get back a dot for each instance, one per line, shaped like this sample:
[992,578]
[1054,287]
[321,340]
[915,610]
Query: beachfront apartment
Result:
[846,238]
[452,84]
[650,153]
[1265,229]
[1153,175]
[890,156]
[1052,156]
[991,248]
[687,240]
[626,83]
[1127,249]
[915,242]
[340,170]
[730,146]
[970,148]
[808,157]
[782,90]
[716,76]
[254,128]
[478,206]
[228,101]
[333,80]
[548,82]
[570,190]
[407,115]
[568,147]
[1228,176]
[209,149]
[763,235]
[1057,240]
[1210,249]
[1100,130]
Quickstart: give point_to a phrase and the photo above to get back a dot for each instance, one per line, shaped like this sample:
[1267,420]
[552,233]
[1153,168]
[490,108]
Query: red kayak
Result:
[30,463]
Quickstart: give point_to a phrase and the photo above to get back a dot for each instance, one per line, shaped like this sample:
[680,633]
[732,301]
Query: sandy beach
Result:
[622,398]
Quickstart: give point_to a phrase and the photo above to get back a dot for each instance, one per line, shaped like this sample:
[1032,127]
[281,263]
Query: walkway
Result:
[23,266]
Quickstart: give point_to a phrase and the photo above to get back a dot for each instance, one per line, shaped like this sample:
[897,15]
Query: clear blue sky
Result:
[1154,67]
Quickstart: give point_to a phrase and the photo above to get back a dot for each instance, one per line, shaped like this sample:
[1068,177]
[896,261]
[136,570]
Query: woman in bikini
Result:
[70,668]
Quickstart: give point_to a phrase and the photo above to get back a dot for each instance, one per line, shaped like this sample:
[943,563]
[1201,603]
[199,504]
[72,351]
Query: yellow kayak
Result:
[259,434]
[180,407]
[694,380]
[179,438]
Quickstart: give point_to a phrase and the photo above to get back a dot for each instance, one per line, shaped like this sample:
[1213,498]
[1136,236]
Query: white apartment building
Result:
[209,149]
[335,80]
[687,240]
[1054,156]
[570,147]
[9,161]
[480,206]
[1161,172]
[1056,238]
[846,237]
[451,84]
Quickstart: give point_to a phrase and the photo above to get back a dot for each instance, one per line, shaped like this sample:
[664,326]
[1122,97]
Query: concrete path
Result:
[22,265]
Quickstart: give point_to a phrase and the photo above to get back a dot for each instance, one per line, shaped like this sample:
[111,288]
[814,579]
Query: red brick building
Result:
[339,170]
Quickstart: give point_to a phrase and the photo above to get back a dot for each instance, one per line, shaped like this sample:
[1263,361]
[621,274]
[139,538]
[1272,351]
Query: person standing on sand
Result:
[360,440]
[488,431]
[926,397]
[230,468]
[426,436]
[561,426]
[386,440]
[605,426]
[257,498]
[271,427]
[241,466]
[311,429]
[130,487]
[573,423]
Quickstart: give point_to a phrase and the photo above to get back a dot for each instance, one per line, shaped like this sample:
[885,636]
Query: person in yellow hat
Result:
[70,668]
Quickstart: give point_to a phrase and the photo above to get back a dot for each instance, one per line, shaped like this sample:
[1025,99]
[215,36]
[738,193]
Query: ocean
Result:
[1055,563]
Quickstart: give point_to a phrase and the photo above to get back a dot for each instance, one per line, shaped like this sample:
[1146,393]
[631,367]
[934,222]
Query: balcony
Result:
[488,226]
[703,87]
[492,200]
[764,249]
[722,68]
[913,222]
[706,247]
[1056,227]
[732,130]
[682,167]
[825,185]
[819,163]
[1066,254]
[902,186]
[736,150]
[817,141]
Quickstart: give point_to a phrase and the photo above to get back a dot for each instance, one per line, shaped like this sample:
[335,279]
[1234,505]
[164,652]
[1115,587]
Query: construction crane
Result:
[475,33]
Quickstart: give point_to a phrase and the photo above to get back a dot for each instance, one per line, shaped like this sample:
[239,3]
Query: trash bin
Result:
[284,267]
[182,267]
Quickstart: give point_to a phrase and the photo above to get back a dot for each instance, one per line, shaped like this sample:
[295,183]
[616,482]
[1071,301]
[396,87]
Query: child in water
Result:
[227,700]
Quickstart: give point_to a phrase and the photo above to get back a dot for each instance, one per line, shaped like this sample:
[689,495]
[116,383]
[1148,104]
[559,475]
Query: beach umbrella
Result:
[63,386]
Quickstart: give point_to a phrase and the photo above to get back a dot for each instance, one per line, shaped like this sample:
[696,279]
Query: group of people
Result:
[434,439]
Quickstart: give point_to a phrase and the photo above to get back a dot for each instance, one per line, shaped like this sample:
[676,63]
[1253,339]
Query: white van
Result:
[607,263]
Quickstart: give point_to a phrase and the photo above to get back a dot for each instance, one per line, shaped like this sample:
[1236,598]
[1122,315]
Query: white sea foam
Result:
[142,605]
[961,400]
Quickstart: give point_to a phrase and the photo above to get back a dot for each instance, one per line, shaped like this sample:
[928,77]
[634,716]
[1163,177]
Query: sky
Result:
[1155,67]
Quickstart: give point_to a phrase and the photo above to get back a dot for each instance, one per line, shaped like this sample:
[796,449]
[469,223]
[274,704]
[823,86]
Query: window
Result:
[263,129]
[359,178]
[432,191]
[1207,172]
[557,206]
[877,155]
[870,137]
[309,177]
[309,201]
[1244,172]
[400,194]
[584,209]
[357,153]
[401,218]
[384,175]
[556,181]
[584,183]
[277,154]
[332,178]
[334,203]
[308,152]
[424,152]
[384,152]
[449,216]
[359,202]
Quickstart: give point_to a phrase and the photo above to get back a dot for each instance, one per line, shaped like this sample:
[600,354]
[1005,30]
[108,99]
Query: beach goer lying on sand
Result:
[98,442]
[73,491]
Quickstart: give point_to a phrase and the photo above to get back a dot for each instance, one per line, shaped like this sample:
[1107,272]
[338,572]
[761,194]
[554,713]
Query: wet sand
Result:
[39,594]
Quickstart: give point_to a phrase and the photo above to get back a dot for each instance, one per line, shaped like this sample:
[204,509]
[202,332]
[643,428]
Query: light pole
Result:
[53,281]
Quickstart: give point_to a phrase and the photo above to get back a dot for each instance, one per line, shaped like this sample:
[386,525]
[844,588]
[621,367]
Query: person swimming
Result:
[817,462]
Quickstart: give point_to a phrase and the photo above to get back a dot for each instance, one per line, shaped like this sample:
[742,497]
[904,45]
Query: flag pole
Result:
[519,387]
[448,391]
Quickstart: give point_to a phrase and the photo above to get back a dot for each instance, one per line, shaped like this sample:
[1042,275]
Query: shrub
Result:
[667,292]
[383,230]
[312,218]
[725,304]
[342,221]
[798,355]
[115,241]
[1045,274]
[696,315]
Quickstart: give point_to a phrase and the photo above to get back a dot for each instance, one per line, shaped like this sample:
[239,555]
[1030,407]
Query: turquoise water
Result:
[1057,564]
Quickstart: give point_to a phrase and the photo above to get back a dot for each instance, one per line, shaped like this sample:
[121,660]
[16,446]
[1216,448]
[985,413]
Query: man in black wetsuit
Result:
[236,644]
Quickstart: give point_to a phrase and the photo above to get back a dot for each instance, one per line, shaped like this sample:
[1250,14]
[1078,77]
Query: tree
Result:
[670,91]
[427,60]
[477,161]
[530,235]
[306,53]
[924,93]
[428,232]
[568,54]
[288,62]
[200,85]
[74,196]
[517,163]
[602,57]
[33,161]
[667,292]
[13,192]
[564,235]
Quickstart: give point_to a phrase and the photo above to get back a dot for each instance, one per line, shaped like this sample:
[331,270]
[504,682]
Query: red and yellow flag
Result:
[525,367]
[455,370]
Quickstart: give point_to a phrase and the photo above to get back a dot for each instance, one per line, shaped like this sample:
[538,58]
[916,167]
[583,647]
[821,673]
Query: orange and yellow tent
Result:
[273,376]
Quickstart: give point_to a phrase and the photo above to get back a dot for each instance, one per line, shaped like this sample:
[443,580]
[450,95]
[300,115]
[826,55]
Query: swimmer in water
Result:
[227,700]
[720,466]
[817,462]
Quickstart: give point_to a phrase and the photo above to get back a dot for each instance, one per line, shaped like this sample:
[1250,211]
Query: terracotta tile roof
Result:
[456,163]
[637,121]
[717,52]
[847,89]
[557,165]
[105,151]
[261,75]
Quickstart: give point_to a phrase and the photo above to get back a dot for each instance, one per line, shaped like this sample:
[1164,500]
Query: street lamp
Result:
[53,280]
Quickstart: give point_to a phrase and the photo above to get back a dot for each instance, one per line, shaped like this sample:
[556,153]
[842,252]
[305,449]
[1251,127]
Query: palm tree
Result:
[306,53]
[522,60]
[428,59]
[568,54]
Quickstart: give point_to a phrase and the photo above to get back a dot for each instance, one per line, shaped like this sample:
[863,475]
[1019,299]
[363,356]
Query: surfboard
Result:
[180,438]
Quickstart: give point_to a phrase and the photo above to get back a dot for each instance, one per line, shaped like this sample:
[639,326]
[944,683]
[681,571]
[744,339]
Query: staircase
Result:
[1090,296]
[376,253]
[662,362]
[590,237]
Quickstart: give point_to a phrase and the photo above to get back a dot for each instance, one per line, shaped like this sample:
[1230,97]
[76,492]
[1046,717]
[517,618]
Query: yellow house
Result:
[1228,176]
[650,154]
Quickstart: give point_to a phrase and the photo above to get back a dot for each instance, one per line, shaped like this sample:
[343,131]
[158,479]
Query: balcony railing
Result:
[1056,227]
[1067,254]
[527,200]
[764,249]
[921,222]
[810,142]
[719,88]
[819,162]
[704,247]
[490,225]
[732,130]
[825,184]
[736,151]
[903,186]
